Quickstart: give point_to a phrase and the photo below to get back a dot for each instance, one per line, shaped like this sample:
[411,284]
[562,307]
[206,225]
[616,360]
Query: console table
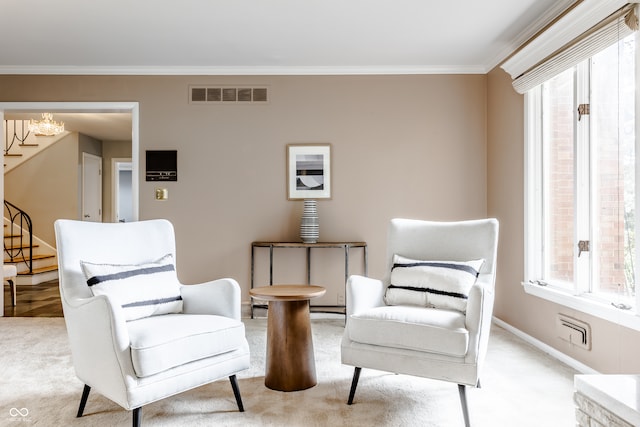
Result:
[345,246]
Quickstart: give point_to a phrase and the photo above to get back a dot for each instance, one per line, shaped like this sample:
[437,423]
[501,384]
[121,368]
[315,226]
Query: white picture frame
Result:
[308,171]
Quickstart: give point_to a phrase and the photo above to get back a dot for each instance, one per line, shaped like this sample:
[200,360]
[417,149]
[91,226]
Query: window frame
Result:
[579,296]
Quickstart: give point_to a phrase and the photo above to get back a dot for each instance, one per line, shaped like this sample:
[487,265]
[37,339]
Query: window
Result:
[581,179]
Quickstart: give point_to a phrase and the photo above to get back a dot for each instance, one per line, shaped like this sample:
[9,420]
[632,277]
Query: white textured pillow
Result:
[441,284]
[142,290]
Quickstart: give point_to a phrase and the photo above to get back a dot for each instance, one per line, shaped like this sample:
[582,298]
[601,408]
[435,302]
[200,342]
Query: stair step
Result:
[11,236]
[34,257]
[28,145]
[9,248]
[39,270]
[12,155]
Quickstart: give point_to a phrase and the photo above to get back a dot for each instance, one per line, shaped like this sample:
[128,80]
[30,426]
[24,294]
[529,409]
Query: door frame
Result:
[118,164]
[85,107]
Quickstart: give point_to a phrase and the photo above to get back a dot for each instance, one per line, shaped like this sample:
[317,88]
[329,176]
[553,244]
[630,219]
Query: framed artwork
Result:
[308,171]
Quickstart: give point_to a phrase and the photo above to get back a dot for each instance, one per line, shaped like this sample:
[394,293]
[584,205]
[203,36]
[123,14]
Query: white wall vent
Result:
[574,331]
[228,95]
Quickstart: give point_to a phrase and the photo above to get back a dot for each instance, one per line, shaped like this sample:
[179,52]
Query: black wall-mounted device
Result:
[162,165]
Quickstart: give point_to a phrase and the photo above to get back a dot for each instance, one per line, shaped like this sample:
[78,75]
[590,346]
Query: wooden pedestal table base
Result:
[290,360]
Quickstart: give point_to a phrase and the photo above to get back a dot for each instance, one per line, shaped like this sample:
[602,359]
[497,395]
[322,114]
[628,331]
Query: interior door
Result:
[91,188]
[122,190]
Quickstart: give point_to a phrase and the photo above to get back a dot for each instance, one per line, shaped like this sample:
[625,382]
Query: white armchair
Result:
[420,327]
[136,357]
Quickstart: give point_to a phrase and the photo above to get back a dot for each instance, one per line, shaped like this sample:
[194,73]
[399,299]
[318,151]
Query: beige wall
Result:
[409,146]
[615,348]
[49,185]
[46,186]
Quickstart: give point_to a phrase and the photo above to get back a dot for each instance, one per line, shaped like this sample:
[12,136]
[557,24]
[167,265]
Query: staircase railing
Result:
[19,221]
[8,145]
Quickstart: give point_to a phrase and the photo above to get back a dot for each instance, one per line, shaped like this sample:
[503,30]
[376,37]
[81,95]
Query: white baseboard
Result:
[545,348]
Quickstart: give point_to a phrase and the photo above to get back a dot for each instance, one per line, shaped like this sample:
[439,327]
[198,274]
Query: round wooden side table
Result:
[290,363]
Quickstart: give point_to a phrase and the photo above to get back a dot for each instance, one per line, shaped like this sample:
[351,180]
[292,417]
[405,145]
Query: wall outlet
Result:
[340,298]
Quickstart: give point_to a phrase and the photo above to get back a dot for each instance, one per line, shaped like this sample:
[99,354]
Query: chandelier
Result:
[46,127]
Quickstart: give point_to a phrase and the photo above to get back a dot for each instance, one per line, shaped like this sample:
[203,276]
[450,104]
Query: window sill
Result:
[626,318]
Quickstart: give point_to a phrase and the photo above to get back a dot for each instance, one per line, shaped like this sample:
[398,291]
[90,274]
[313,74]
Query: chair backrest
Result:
[107,243]
[445,241]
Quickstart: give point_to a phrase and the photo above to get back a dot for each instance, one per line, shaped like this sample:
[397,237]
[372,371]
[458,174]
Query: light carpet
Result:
[521,386]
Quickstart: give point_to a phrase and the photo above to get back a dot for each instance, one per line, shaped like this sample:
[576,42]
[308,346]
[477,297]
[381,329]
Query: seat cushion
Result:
[9,271]
[160,343]
[414,328]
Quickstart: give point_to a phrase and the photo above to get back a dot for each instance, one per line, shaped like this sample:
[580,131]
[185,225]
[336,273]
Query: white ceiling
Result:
[253,37]
[264,36]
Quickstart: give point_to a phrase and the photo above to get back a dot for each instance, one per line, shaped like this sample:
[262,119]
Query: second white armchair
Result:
[431,314]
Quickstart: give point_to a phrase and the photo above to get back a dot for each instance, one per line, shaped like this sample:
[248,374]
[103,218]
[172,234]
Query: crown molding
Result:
[526,34]
[241,71]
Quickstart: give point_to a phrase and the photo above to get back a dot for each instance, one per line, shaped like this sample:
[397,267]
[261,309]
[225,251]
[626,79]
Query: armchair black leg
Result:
[137,417]
[236,392]
[354,384]
[463,400]
[12,289]
[83,400]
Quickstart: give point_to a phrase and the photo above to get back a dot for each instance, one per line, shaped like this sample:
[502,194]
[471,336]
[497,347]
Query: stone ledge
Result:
[591,414]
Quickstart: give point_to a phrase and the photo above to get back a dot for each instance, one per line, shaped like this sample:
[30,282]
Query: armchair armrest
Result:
[479,304]
[478,318]
[221,297]
[364,293]
[99,342]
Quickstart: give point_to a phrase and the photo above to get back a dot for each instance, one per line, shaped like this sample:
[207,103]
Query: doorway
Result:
[86,107]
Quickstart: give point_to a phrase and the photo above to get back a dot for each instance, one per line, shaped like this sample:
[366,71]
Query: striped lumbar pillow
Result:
[441,284]
[142,290]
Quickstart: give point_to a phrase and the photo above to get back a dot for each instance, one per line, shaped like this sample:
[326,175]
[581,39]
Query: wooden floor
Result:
[41,300]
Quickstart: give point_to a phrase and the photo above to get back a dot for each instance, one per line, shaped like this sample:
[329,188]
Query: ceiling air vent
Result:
[214,94]
[198,94]
[244,95]
[260,94]
[228,95]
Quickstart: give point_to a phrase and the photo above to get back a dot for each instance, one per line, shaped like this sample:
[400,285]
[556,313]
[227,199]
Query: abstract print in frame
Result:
[308,171]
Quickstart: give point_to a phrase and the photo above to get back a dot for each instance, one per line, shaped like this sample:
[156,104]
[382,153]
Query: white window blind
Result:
[617,26]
